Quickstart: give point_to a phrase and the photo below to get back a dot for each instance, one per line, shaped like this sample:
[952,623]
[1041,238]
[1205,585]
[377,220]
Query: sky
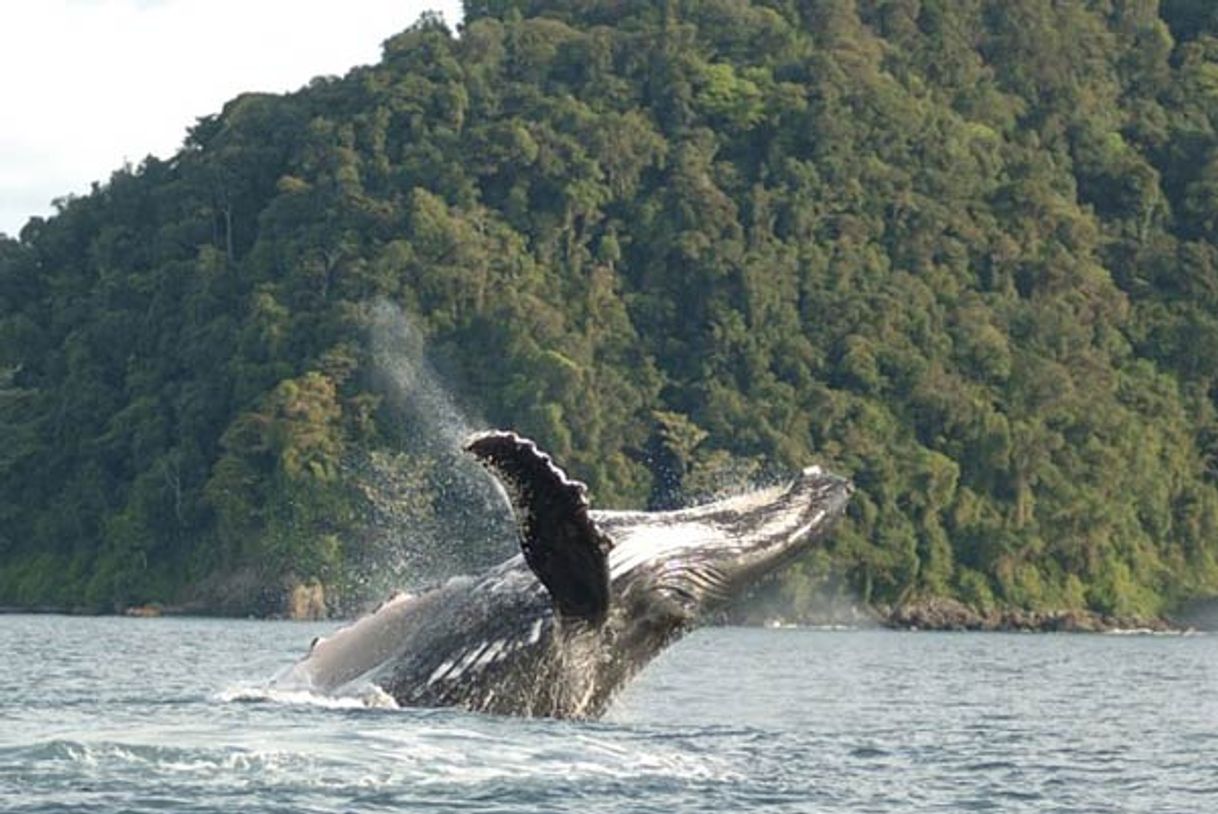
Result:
[87,85]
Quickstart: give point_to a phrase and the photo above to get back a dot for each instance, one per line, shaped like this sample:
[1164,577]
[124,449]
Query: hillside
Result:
[965,252]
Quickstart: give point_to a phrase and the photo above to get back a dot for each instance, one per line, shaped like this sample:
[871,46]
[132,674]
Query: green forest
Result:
[963,251]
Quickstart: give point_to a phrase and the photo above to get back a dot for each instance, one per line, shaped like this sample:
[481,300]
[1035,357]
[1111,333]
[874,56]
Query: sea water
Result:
[113,714]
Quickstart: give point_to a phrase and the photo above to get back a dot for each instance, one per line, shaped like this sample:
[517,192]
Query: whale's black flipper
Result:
[562,545]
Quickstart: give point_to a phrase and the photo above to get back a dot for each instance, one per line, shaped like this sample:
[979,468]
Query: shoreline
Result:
[941,615]
[951,615]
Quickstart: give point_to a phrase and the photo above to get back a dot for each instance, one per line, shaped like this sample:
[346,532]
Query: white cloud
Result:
[89,84]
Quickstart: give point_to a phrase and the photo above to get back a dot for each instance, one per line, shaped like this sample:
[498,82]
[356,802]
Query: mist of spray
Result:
[435,512]
[408,381]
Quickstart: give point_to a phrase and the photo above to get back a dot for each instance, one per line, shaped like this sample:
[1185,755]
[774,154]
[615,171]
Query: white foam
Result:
[363,697]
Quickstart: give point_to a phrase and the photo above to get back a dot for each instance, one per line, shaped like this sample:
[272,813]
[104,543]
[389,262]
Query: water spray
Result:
[435,513]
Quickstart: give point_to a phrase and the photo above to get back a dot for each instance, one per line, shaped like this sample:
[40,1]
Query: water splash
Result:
[413,389]
[366,696]
[434,512]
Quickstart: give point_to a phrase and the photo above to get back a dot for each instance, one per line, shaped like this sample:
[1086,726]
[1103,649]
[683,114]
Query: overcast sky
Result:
[88,84]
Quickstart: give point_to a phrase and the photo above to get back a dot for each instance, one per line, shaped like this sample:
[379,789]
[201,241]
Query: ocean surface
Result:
[113,714]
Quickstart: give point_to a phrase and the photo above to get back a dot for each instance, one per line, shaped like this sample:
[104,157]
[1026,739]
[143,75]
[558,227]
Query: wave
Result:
[1147,631]
[362,697]
[105,756]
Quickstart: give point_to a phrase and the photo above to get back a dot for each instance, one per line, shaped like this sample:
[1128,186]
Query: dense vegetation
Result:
[964,250]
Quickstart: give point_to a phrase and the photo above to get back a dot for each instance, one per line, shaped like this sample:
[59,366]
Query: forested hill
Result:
[965,251]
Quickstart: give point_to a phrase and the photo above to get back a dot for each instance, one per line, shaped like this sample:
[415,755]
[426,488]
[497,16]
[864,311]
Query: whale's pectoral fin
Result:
[562,545]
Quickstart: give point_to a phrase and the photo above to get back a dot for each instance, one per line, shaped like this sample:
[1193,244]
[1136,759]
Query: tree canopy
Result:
[965,251]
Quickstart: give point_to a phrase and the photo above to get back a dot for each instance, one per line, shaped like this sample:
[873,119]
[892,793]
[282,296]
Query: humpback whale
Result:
[591,598]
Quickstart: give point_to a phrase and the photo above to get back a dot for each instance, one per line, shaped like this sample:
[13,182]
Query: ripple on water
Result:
[134,719]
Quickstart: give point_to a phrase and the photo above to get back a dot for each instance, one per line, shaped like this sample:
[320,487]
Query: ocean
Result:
[174,714]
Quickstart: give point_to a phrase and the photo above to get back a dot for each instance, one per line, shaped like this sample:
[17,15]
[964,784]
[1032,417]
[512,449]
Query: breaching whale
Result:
[592,597]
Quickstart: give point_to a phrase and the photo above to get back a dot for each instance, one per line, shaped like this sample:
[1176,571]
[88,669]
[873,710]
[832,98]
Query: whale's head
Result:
[695,560]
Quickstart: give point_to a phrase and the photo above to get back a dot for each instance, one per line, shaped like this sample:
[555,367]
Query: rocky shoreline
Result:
[944,614]
[949,614]
[937,614]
